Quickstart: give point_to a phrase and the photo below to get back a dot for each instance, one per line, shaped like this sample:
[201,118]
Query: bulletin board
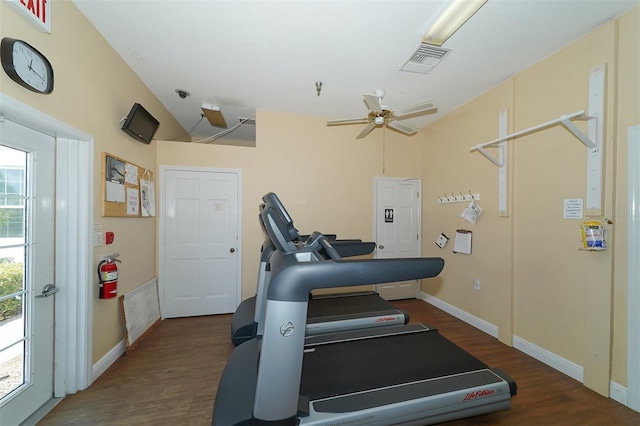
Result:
[127,189]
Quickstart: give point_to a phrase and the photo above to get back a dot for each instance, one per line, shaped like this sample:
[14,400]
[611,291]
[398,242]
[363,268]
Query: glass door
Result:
[27,165]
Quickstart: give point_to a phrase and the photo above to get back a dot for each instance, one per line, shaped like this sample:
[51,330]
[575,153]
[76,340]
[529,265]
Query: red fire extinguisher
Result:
[108,276]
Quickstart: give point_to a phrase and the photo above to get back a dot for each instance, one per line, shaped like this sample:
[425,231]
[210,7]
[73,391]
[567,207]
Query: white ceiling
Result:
[250,55]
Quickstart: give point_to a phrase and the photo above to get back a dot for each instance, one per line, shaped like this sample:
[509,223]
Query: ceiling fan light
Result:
[450,20]
[379,120]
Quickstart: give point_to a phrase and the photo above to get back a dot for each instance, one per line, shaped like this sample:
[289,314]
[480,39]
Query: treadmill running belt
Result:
[339,369]
[352,304]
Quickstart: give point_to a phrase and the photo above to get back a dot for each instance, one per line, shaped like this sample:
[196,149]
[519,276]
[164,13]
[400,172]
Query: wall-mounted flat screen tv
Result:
[140,124]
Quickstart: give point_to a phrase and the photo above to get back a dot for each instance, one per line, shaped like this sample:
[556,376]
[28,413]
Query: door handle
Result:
[48,290]
[232,250]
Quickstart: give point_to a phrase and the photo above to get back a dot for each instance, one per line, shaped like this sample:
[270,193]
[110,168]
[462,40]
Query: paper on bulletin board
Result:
[133,201]
[114,192]
[148,195]
[131,174]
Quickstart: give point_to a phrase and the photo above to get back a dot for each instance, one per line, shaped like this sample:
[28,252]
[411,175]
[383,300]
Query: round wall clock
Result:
[26,66]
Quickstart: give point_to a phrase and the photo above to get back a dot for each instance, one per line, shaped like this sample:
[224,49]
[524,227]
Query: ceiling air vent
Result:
[425,58]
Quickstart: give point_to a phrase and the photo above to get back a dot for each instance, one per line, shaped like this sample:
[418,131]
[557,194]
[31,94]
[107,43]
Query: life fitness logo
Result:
[479,394]
[286,329]
[385,319]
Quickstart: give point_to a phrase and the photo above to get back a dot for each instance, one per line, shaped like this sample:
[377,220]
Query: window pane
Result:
[11,361]
[11,224]
[11,281]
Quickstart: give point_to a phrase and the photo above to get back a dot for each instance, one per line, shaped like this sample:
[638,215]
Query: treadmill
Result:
[326,313]
[355,377]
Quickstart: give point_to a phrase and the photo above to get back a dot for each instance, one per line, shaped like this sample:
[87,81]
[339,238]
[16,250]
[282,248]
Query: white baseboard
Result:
[478,323]
[563,365]
[617,392]
[106,361]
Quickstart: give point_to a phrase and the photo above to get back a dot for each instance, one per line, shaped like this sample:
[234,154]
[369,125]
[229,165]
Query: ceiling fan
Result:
[380,115]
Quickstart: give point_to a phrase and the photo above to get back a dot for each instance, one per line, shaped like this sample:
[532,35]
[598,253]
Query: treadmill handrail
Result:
[294,281]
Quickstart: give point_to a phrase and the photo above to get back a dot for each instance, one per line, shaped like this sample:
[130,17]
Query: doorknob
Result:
[232,250]
[48,290]
[381,246]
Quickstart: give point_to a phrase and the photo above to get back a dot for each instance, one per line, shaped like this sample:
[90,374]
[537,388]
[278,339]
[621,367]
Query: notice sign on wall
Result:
[388,215]
[573,208]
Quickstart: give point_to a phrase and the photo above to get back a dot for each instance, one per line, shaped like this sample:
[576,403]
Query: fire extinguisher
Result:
[108,276]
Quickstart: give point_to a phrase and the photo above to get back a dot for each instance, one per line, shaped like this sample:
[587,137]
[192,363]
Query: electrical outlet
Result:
[476,284]
[97,239]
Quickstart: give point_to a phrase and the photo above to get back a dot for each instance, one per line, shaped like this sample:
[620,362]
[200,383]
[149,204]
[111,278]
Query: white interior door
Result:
[397,228]
[27,171]
[200,239]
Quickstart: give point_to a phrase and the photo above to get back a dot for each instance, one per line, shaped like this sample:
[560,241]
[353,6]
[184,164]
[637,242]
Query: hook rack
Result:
[459,198]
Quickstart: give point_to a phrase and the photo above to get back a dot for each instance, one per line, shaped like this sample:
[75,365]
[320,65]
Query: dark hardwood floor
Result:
[171,379]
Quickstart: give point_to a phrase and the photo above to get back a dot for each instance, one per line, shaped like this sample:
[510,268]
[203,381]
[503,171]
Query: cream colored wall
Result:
[93,90]
[574,287]
[568,302]
[323,175]
[449,169]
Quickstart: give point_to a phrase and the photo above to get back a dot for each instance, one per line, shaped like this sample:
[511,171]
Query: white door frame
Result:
[161,225]
[633,269]
[74,249]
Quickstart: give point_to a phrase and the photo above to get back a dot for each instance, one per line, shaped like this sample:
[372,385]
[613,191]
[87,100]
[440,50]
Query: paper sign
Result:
[573,208]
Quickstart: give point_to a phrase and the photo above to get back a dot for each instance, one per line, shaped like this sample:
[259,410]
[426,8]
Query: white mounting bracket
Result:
[503,209]
[593,141]
[595,153]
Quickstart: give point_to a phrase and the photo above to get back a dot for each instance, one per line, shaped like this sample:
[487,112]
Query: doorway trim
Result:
[74,250]
[161,224]
[633,269]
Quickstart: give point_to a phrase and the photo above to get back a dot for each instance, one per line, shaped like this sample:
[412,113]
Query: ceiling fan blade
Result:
[373,103]
[366,131]
[428,107]
[401,127]
[348,121]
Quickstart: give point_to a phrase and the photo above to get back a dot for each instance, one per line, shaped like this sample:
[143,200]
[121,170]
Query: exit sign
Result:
[38,12]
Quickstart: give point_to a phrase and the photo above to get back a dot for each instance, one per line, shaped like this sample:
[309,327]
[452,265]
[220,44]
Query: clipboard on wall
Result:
[462,242]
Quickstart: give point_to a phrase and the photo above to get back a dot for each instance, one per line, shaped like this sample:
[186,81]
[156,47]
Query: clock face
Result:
[25,65]
[30,66]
